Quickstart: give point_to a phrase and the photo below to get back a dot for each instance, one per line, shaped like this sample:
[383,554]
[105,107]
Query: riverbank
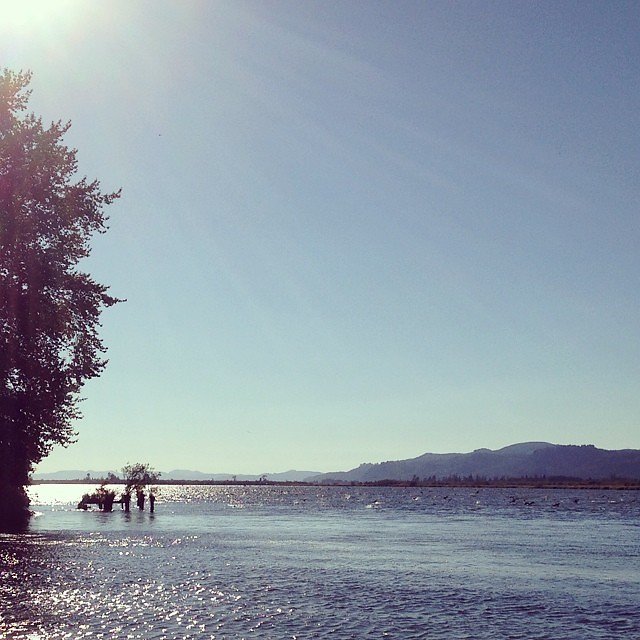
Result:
[497,483]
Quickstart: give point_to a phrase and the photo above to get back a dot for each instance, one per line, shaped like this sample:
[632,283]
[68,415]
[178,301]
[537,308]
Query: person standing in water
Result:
[152,501]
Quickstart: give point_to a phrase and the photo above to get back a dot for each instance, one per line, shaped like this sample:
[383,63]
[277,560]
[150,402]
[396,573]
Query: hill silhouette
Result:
[528,459]
[188,475]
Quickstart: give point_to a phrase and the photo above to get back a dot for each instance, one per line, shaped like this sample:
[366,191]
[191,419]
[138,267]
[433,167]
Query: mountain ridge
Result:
[526,459]
[178,474]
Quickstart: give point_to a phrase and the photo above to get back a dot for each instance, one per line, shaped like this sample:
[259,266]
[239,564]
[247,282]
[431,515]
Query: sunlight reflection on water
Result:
[273,562]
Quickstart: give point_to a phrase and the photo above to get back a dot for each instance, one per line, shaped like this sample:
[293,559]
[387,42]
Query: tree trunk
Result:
[14,476]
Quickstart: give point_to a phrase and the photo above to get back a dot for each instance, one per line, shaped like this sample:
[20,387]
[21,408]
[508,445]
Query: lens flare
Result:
[27,16]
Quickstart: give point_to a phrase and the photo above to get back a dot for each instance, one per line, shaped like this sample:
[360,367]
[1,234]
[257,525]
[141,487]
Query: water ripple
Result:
[317,563]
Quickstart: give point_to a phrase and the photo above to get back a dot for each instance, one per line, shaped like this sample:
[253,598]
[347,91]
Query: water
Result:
[339,562]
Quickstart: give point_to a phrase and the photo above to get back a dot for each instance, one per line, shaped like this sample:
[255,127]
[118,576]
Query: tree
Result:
[49,309]
[138,476]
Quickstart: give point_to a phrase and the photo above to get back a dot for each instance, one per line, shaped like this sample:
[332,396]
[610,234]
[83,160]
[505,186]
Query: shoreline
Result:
[506,483]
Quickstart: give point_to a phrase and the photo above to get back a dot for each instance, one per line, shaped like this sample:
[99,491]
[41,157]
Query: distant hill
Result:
[519,460]
[178,474]
[284,476]
[527,459]
[73,474]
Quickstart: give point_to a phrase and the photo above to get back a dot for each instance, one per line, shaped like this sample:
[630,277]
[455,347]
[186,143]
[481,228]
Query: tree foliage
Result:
[49,308]
[138,476]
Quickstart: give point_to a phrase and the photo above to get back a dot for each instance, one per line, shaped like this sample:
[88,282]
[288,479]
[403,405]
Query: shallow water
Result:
[320,562]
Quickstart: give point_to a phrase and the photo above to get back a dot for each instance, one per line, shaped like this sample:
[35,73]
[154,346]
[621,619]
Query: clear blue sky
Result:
[351,231]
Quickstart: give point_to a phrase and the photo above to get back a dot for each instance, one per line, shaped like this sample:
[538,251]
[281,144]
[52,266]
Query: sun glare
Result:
[25,16]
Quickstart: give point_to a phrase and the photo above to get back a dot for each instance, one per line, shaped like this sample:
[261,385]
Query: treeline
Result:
[159,481]
[541,482]
[536,482]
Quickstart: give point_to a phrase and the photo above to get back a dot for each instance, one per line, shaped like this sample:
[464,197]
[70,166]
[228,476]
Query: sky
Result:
[350,231]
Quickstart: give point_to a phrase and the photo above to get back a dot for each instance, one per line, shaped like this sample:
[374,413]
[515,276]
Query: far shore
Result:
[471,483]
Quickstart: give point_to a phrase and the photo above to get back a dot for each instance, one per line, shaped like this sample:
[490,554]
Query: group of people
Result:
[105,498]
[140,498]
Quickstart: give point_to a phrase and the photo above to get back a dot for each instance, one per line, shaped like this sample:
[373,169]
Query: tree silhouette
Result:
[138,476]
[49,309]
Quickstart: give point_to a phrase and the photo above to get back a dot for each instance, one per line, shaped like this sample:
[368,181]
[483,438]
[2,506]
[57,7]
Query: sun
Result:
[24,16]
